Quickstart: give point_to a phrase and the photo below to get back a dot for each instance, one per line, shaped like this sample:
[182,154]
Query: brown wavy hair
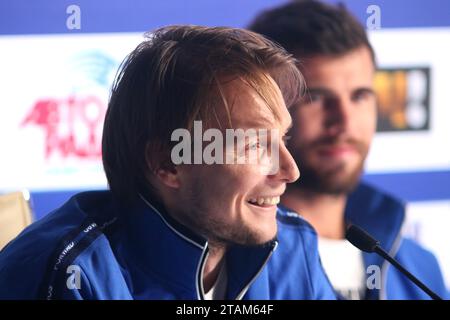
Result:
[173,78]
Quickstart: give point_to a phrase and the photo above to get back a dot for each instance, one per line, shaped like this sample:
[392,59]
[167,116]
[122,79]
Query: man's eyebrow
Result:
[329,93]
[325,91]
[364,89]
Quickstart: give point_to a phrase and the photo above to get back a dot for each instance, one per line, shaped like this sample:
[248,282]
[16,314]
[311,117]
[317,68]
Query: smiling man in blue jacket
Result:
[333,127]
[180,222]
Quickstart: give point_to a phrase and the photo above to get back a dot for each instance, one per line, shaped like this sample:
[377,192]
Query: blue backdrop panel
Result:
[49,16]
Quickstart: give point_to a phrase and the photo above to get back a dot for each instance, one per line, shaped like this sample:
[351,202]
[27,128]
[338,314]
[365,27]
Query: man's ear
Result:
[166,174]
[169,177]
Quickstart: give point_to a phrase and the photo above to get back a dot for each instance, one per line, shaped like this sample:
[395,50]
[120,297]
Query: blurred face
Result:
[335,122]
[236,203]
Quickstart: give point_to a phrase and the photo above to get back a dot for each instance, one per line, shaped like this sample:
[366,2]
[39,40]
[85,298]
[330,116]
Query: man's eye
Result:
[361,95]
[313,98]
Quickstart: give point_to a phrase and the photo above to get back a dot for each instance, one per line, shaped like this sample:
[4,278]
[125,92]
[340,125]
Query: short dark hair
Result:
[174,78]
[308,28]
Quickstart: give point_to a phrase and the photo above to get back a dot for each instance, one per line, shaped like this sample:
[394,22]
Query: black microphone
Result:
[365,242]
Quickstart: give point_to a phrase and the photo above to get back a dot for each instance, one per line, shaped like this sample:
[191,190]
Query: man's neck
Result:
[213,265]
[325,212]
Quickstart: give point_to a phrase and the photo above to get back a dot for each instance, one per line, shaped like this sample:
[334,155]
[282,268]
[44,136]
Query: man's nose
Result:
[288,171]
[338,115]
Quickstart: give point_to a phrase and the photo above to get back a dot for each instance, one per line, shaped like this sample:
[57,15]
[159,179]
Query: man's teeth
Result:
[265,200]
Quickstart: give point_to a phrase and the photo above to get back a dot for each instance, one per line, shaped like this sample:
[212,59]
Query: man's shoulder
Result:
[295,265]
[416,252]
[423,264]
[64,233]
[376,211]
[44,234]
[374,196]
[290,219]
[294,230]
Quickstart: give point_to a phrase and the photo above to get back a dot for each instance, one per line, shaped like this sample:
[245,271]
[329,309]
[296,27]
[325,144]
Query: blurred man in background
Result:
[181,230]
[333,127]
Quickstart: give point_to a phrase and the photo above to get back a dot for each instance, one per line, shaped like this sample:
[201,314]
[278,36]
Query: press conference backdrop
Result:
[59,58]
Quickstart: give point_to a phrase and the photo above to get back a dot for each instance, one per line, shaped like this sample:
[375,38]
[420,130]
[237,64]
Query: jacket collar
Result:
[176,255]
[381,216]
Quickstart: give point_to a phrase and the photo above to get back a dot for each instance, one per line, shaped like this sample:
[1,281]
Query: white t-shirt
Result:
[219,289]
[344,266]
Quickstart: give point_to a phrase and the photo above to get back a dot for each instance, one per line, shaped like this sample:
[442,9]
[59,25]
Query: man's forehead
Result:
[260,120]
[251,109]
[357,62]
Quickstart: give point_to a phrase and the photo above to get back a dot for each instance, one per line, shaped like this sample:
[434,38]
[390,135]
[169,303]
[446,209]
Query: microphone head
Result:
[361,239]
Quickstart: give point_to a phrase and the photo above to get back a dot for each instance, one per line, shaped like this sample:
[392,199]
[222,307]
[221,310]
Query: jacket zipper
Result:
[244,291]
[200,270]
[201,267]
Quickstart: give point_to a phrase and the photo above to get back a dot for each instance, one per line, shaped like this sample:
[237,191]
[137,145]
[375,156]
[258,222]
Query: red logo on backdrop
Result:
[72,126]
